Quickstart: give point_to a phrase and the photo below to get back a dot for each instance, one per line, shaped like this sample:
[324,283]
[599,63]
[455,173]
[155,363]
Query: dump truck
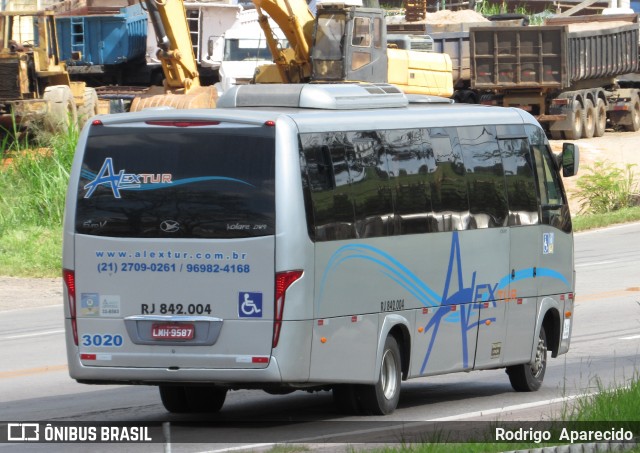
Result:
[106,48]
[566,75]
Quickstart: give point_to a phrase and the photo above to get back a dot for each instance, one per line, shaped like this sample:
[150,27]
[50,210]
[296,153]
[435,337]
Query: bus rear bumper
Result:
[154,376]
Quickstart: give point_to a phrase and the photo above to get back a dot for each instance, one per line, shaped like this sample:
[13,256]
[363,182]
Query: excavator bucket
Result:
[198,98]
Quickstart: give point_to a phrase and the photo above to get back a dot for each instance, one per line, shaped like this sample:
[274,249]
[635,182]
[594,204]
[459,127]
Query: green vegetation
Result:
[605,188]
[33,183]
[491,9]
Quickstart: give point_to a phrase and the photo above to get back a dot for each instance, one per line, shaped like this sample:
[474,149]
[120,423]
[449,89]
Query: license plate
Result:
[172,331]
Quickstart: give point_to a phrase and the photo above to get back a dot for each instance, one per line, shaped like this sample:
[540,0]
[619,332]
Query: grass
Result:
[33,181]
[591,221]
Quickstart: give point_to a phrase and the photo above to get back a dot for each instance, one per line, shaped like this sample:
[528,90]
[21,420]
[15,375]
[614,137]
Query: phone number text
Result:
[114,268]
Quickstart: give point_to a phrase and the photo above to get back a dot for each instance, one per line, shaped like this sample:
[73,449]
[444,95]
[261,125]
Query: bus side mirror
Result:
[570,159]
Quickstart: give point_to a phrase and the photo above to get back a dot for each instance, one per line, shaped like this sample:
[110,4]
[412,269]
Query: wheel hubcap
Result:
[541,353]
[389,375]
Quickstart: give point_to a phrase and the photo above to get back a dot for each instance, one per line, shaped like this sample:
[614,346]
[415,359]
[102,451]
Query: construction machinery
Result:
[34,83]
[182,88]
[345,41]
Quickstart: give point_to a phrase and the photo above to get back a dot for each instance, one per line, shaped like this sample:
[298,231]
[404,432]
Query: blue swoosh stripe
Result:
[397,272]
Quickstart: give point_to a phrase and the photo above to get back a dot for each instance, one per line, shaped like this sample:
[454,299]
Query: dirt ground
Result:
[620,148]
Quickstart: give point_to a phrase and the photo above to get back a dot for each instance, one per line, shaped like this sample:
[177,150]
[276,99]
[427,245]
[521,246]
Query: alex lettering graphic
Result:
[120,180]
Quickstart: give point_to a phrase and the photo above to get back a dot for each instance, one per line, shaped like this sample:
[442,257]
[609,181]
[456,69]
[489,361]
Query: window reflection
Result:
[407,181]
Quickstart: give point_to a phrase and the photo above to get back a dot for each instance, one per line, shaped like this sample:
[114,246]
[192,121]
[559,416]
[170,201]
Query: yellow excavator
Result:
[345,41]
[182,88]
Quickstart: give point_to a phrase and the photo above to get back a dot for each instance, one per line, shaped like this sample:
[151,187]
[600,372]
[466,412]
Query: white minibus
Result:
[338,237]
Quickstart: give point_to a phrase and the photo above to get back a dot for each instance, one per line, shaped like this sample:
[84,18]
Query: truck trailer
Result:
[564,75]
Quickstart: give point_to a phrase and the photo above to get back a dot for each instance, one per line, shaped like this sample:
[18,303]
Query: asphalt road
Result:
[605,352]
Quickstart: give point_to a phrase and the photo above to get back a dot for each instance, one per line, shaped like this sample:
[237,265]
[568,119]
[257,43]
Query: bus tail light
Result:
[69,278]
[283,281]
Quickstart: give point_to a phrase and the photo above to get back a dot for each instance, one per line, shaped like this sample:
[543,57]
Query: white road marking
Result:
[34,334]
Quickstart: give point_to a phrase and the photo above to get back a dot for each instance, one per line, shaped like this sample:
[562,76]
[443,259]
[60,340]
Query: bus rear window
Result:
[169,182]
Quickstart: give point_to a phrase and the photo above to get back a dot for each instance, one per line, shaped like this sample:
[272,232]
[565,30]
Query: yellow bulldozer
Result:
[34,83]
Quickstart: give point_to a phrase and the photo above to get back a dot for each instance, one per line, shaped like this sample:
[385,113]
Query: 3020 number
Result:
[105,340]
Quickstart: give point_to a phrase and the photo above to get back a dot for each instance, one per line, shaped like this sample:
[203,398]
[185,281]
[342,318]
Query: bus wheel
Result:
[529,376]
[205,399]
[174,398]
[382,397]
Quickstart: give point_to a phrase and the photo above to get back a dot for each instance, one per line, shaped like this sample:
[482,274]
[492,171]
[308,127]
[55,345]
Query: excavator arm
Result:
[296,22]
[175,52]
[182,88]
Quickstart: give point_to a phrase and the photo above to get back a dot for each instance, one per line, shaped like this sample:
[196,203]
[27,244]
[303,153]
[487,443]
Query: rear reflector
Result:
[87,357]
[69,278]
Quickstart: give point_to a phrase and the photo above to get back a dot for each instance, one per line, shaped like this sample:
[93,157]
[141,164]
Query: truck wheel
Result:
[382,397]
[174,398]
[589,124]
[62,110]
[634,115]
[601,118]
[528,377]
[577,112]
[89,106]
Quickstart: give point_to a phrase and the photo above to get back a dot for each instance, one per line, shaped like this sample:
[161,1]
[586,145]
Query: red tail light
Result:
[283,281]
[69,278]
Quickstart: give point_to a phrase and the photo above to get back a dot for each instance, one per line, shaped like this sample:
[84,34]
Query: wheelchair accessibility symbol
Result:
[250,305]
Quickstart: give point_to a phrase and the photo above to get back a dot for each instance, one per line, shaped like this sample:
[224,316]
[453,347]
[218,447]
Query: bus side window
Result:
[410,161]
[484,176]
[448,187]
[370,184]
[328,178]
[519,175]
[553,204]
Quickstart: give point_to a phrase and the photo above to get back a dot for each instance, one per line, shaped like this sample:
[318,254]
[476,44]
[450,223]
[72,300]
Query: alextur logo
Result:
[24,432]
[107,176]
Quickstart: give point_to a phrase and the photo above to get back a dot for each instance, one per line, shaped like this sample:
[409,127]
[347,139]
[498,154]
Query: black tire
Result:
[634,116]
[577,119]
[205,399]
[345,398]
[61,109]
[601,118]
[382,397]
[528,377]
[179,399]
[589,123]
[89,106]
[174,398]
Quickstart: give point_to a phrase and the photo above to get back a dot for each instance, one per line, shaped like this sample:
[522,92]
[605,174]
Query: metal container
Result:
[103,39]
[550,57]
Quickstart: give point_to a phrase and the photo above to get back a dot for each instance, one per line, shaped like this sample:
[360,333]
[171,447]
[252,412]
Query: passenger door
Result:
[519,289]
